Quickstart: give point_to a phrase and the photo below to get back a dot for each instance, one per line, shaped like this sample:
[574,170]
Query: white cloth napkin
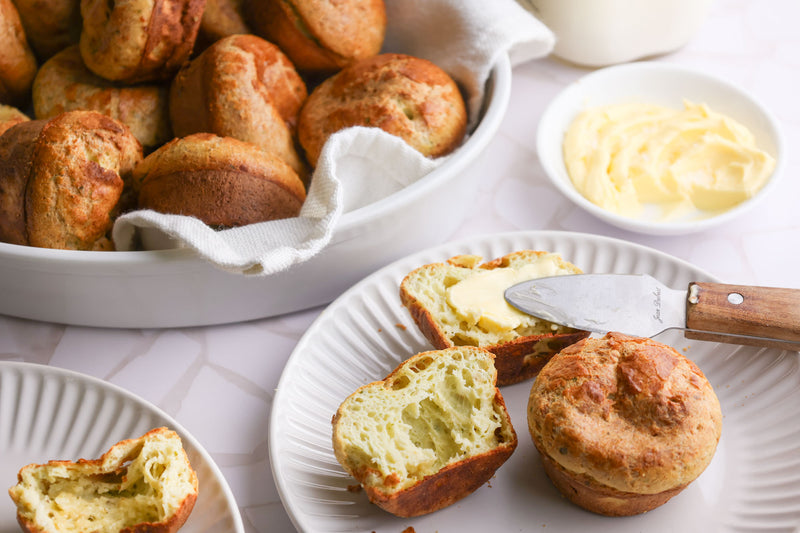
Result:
[464,37]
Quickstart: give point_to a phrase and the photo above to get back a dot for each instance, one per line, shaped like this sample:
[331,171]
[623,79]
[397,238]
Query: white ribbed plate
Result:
[753,483]
[50,413]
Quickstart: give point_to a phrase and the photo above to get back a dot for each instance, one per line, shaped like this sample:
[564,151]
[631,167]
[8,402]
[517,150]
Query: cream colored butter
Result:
[623,156]
[479,299]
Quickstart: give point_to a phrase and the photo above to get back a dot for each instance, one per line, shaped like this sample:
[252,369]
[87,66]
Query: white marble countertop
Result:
[219,382]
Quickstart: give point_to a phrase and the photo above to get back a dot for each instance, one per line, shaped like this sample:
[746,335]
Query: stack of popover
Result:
[216,109]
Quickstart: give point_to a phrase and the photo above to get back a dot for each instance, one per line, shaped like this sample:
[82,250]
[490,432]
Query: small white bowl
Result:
[663,84]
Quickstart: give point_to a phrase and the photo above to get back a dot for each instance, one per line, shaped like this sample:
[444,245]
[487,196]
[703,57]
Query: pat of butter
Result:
[623,156]
[479,299]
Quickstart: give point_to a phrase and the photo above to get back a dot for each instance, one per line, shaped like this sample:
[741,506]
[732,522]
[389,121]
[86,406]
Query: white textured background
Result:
[219,381]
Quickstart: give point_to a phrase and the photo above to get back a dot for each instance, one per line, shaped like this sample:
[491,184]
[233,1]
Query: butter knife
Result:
[640,305]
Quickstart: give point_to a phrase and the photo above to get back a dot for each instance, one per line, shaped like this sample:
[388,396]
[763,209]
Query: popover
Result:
[134,41]
[403,95]
[17,63]
[242,87]
[320,37]
[222,181]
[623,423]
[63,83]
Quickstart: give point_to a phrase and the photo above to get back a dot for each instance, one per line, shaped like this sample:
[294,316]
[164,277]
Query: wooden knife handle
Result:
[763,312]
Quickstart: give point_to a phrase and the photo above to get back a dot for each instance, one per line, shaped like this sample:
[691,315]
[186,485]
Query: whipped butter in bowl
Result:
[659,149]
[623,156]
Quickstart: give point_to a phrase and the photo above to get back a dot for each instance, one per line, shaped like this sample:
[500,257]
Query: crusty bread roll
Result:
[50,25]
[222,18]
[242,87]
[63,181]
[429,434]
[79,167]
[133,41]
[219,180]
[461,303]
[10,116]
[17,62]
[63,83]
[320,36]
[146,485]
[403,95]
[623,424]
[16,157]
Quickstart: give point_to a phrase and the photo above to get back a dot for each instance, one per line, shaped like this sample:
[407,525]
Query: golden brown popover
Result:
[80,164]
[320,36]
[63,83]
[50,25]
[623,423]
[242,87]
[220,180]
[405,96]
[141,485]
[222,18]
[134,41]
[17,63]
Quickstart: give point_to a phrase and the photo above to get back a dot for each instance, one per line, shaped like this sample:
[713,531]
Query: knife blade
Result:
[640,305]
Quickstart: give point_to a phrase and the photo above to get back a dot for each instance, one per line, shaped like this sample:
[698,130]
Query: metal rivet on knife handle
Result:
[761,312]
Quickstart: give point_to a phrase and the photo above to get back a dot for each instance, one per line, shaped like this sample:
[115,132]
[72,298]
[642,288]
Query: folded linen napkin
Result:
[464,37]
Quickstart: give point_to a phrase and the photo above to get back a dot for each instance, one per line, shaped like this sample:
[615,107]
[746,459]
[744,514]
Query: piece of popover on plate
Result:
[142,485]
[429,434]
[16,159]
[460,302]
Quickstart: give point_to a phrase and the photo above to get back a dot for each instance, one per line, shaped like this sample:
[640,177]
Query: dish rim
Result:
[573,98]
